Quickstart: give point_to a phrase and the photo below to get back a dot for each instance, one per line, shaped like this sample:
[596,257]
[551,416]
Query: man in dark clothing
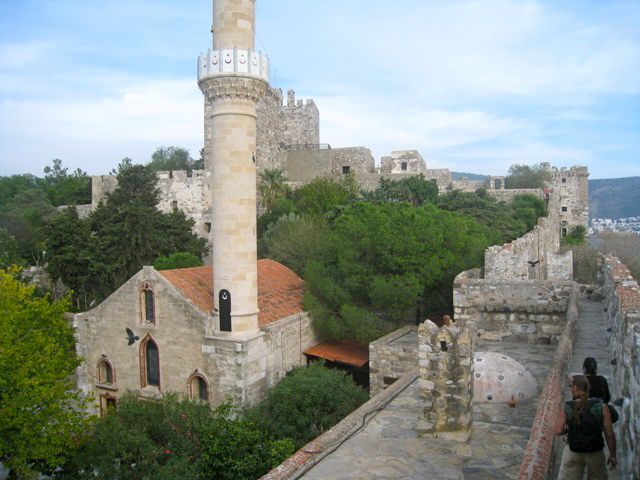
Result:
[598,386]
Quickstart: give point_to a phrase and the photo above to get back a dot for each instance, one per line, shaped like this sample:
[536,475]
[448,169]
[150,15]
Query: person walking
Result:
[584,419]
[598,386]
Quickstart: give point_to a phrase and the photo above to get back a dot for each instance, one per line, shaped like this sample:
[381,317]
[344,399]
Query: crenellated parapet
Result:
[446,380]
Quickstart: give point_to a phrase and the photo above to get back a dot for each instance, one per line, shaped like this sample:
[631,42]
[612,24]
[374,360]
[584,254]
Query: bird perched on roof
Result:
[131,337]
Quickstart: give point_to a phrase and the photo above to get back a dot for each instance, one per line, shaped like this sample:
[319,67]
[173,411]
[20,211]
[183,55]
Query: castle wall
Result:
[526,311]
[467,185]
[269,126]
[101,185]
[392,356]
[300,122]
[622,309]
[404,162]
[506,195]
[186,191]
[571,185]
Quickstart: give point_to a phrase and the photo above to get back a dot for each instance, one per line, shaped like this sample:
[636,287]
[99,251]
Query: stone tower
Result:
[233,77]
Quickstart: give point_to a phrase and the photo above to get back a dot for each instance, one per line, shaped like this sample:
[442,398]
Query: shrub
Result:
[177,260]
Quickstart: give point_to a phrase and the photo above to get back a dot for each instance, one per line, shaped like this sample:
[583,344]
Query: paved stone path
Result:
[388,446]
[591,341]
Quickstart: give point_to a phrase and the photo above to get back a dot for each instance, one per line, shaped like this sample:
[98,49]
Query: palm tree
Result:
[272,186]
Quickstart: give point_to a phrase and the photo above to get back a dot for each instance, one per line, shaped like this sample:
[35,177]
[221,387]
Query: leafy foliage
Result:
[416,190]
[97,255]
[177,260]
[386,265]
[322,195]
[294,239]
[306,403]
[502,220]
[170,158]
[576,236]
[40,410]
[66,189]
[168,439]
[525,176]
[9,250]
[272,187]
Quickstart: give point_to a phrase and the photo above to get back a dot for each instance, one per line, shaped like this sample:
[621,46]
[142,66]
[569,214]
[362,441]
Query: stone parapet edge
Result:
[314,451]
[537,459]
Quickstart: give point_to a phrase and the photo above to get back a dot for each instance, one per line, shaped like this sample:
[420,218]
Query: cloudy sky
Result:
[475,86]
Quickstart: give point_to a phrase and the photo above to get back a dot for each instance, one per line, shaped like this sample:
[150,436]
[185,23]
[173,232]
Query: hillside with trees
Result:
[614,197]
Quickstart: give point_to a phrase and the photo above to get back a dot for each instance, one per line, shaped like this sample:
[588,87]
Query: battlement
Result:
[233,61]
[292,102]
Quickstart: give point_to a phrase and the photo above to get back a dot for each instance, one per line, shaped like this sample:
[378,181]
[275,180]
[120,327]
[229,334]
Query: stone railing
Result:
[233,61]
[622,310]
[537,459]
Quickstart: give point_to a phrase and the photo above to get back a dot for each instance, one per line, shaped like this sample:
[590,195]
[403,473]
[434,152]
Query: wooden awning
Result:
[348,353]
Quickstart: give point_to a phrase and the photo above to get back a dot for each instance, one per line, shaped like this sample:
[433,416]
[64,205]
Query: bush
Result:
[306,403]
[168,439]
[177,260]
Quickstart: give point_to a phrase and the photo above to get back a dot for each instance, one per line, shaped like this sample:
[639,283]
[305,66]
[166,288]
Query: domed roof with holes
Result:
[499,378]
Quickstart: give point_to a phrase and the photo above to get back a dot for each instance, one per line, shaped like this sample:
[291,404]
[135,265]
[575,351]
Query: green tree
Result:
[387,265]
[177,260]
[170,158]
[294,239]
[63,188]
[124,233]
[11,186]
[416,190]
[306,403]
[171,438]
[40,410]
[528,208]
[499,217]
[24,217]
[272,187]
[322,195]
[525,176]
[9,250]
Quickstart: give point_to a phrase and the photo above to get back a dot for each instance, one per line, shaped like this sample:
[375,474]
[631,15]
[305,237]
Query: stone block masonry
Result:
[392,356]
[446,380]
[518,310]
[622,310]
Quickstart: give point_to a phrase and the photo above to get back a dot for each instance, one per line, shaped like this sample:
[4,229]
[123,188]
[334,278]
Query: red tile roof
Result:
[349,353]
[280,290]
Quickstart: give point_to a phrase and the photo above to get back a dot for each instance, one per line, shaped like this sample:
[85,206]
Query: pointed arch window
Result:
[147,303]
[149,363]
[198,388]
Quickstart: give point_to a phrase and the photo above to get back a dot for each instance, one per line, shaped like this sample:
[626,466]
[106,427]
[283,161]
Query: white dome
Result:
[499,378]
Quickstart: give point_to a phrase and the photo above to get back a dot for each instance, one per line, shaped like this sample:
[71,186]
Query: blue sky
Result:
[475,86]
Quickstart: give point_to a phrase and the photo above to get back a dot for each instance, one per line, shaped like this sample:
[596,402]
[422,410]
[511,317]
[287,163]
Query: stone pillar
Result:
[445,359]
[233,77]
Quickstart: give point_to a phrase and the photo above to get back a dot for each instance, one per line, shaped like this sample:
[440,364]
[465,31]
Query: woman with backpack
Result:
[584,419]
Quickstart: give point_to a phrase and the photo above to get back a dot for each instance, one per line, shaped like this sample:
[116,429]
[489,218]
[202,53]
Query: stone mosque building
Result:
[471,400]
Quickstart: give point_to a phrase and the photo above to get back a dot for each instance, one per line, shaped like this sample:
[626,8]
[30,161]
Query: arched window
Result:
[105,372]
[149,363]
[198,388]
[147,303]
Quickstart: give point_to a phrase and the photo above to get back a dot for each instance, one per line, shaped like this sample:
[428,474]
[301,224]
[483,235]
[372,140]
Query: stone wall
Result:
[269,153]
[286,340]
[520,310]
[506,195]
[571,185]
[392,356]
[300,122]
[537,461]
[101,185]
[445,364]
[533,255]
[622,309]
[403,161]
[187,191]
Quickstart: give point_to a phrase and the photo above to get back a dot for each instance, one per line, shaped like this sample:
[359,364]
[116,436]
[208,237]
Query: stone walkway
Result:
[591,341]
[388,447]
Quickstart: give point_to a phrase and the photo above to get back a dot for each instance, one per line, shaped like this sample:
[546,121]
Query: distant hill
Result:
[614,197]
[469,176]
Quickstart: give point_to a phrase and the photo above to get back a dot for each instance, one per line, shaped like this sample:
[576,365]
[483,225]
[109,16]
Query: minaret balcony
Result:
[233,61]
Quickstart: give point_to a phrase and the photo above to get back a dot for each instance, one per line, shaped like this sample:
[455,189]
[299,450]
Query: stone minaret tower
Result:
[233,77]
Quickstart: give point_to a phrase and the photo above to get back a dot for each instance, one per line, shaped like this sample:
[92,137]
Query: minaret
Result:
[233,77]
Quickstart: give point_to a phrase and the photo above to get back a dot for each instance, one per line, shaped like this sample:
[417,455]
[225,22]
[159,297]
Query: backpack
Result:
[586,437]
